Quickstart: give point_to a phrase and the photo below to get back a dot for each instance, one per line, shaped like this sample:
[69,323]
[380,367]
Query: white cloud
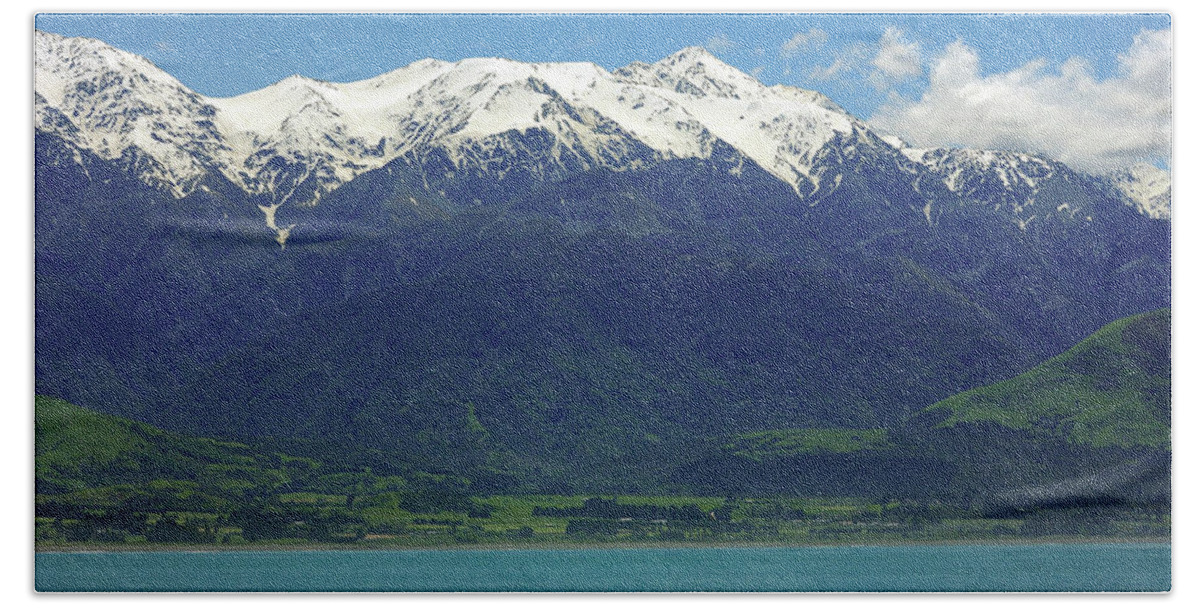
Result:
[849,59]
[811,40]
[897,59]
[891,60]
[720,44]
[1066,113]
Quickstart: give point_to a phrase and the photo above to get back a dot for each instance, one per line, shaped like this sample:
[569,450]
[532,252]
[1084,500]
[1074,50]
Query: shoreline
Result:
[577,545]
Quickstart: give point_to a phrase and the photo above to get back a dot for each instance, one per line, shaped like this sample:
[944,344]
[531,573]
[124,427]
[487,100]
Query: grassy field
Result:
[105,482]
[513,521]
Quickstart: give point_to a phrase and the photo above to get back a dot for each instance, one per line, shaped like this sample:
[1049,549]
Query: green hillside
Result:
[1098,409]
[77,449]
[1092,425]
[1112,389]
[105,479]
[1103,402]
[793,442]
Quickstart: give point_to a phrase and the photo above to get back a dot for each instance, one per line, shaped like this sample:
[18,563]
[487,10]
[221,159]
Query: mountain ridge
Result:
[295,141]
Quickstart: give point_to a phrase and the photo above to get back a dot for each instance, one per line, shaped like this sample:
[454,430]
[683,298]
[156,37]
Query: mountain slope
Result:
[1089,427]
[1147,187]
[529,271]
[1112,389]
[123,108]
[76,449]
[715,307]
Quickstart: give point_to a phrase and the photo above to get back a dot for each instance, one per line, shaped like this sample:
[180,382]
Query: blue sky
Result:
[880,67]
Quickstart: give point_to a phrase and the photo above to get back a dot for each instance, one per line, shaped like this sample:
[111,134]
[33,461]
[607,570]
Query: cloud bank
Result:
[1065,112]
[891,60]
[813,39]
[897,59]
[720,44]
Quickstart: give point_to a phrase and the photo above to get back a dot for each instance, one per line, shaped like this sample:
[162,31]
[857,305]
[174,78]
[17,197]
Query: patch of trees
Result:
[602,508]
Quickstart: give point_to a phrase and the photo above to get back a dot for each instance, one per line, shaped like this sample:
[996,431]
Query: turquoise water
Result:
[1046,567]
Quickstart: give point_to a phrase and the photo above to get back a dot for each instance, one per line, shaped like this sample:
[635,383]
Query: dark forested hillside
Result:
[585,331]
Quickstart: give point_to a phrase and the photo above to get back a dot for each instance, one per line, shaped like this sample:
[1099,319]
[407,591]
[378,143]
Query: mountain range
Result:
[550,276]
[300,139]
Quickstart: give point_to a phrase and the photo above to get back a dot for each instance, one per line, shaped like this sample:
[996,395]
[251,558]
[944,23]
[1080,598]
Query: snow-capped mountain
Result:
[539,249]
[121,107]
[1001,179]
[985,173]
[1146,186]
[295,141]
[676,108]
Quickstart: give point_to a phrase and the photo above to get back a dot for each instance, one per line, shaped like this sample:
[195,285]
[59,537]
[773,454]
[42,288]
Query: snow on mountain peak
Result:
[956,163]
[296,140]
[1000,178]
[121,105]
[1146,186]
[692,71]
[689,54]
[676,107]
[695,59]
[895,142]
